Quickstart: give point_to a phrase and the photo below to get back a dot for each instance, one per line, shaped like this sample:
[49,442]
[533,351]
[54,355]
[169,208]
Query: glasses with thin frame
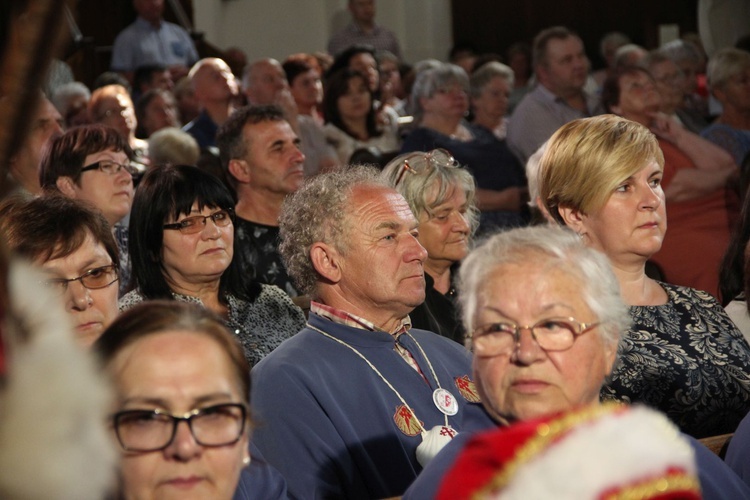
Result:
[196,223]
[153,430]
[418,162]
[111,167]
[93,279]
[551,334]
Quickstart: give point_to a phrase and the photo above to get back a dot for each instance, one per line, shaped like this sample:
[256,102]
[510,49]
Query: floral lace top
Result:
[260,326]
[687,359]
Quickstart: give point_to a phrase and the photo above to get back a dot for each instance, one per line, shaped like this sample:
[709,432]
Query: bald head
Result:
[212,81]
[263,80]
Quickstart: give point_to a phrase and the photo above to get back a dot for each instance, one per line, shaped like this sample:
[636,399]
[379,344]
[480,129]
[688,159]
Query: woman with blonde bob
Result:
[602,178]
[442,196]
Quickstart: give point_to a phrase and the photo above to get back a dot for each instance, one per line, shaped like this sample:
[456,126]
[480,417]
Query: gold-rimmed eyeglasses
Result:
[552,334]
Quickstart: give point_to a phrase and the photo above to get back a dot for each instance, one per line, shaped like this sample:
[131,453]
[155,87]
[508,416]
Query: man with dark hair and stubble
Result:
[562,69]
[262,161]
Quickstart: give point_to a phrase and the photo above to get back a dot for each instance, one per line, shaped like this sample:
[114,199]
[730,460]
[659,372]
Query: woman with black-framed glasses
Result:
[182,417]
[182,248]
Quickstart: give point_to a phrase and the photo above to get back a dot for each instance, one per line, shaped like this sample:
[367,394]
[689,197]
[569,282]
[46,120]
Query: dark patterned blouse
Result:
[257,248]
[260,326]
[687,359]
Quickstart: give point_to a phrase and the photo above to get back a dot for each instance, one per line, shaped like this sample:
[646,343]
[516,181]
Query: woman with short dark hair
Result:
[182,247]
[698,177]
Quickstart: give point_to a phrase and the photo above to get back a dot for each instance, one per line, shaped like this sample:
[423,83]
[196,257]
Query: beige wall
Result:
[277,28]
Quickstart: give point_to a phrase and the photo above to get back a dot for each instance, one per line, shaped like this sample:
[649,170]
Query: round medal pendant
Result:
[445,402]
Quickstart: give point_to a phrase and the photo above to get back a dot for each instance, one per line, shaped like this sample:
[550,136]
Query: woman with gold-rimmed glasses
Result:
[543,316]
[182,412]
[182,247]
[442,196]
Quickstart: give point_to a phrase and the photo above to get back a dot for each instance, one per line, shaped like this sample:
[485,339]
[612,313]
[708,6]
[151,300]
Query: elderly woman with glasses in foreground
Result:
[441,195]
[175,363]
[182,248]
[545,316]
[601,177]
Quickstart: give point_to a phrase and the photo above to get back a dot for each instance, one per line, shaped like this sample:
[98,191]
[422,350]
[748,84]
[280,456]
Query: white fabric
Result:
[616,449]
[53,411]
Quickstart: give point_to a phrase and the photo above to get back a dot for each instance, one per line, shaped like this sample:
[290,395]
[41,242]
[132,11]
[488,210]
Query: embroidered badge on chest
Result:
[406,421]
[467,389]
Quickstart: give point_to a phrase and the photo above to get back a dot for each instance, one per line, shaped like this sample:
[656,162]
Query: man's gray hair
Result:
[430,80]
[317,212]
[548,247]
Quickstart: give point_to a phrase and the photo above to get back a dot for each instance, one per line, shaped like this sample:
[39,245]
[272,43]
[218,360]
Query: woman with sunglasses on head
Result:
[174,364]
[441,195]
[440,102]
[92,163]
[182,247]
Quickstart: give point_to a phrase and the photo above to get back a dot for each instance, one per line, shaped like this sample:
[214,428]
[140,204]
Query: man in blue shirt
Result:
[151,40]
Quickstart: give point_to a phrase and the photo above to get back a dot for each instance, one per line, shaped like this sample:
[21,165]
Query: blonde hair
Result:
[587,159]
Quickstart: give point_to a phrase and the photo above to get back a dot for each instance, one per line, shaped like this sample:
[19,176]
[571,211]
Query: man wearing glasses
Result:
[92,164]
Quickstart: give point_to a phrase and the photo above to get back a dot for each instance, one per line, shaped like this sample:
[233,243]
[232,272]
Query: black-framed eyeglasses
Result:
[552,334]
[111,167]
[418,162]
[93,279]
[196,223]
[153,430]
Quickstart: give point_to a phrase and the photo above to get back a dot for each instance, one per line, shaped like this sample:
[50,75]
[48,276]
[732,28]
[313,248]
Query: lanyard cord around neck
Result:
[434,375]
